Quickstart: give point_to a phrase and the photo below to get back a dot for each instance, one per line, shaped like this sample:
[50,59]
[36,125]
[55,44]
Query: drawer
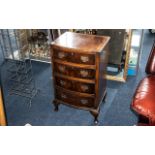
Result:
[75,100]
[75,86]
[74,71]
[73,57]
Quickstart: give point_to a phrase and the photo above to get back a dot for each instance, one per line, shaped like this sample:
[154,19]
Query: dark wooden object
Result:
[79,66]
[116,46]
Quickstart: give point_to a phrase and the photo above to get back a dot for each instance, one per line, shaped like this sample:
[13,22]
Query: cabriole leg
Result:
[56,105]
[104,98]
[95,114]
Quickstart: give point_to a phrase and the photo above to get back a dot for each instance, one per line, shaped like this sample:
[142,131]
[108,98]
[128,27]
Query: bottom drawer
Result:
[75,100]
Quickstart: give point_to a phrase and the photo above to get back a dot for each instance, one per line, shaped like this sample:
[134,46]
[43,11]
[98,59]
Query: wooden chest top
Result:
[81,42]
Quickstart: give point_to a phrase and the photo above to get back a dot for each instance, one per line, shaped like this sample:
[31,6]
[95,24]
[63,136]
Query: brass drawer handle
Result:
[61,55]
[62,83]
[84,58]
[84,101]
[63,96]
[84,73]
[62,68]
[84,87]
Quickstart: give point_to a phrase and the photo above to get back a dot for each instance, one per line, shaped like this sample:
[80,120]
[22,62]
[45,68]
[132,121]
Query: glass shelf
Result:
[40,40]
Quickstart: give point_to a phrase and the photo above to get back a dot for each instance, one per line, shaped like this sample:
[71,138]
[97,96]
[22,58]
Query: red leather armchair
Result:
[144,98]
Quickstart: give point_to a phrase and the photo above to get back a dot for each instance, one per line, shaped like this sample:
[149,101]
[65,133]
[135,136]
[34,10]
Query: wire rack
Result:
[15,49]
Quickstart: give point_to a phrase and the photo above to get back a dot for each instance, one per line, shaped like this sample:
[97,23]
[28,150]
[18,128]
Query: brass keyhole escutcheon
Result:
[61,55]
[84,73]
[62,68]
[84,58]
[84,101]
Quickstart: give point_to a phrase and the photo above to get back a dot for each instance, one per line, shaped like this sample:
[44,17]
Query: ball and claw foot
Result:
[56,106]
[95,114]
[95,122]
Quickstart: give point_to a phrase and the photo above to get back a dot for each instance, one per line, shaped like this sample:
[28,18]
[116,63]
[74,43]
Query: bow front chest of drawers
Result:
[79,65]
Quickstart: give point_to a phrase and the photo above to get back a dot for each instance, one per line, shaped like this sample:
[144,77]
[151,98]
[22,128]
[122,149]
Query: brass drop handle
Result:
[61,55]
[84,58]
[84,73]
[63,83]
[84,101]
[62,68]
[63,96]
[84,87]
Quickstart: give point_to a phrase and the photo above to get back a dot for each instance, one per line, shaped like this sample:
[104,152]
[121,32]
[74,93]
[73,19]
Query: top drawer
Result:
[73,57]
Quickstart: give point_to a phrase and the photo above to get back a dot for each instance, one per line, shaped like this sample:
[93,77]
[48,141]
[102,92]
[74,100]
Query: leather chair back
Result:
[150,67]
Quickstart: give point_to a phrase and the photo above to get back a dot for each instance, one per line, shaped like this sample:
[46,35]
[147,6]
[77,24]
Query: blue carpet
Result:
[116,110]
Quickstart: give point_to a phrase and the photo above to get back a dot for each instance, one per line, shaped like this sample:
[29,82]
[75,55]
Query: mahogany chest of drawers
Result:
[79,65]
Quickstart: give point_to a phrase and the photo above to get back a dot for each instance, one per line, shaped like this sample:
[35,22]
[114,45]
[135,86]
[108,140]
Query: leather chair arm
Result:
[150,67]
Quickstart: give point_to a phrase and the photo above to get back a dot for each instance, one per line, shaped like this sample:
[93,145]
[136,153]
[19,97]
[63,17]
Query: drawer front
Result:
[75,86]
[74,71]
[73,57]
[74,99]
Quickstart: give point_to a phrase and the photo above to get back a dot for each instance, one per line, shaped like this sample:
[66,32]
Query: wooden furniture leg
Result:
[95,113]
[56,105]
[104,98]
